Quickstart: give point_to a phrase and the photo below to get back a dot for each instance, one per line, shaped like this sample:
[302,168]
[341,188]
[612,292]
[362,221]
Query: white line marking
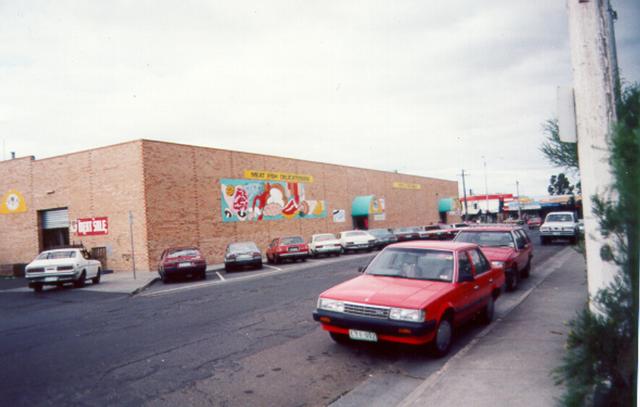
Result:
[272,267]
[220,275]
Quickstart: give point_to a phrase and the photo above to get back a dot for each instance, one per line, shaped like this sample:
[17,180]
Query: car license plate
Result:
[50,279]
[555,233]
[293,249]
[363,335]
[186,264]
[244,257]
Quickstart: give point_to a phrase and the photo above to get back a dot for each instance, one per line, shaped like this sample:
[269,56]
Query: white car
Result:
[324,243]
[356,240]
[559,225]
[56,267]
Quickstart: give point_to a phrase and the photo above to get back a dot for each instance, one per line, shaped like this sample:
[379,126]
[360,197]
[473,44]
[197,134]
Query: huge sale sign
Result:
[92,226]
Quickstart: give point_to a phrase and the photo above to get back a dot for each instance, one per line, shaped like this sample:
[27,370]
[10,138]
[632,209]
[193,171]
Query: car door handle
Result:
[476,287]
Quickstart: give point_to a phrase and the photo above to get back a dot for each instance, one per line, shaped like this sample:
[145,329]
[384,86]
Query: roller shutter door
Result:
[55,219]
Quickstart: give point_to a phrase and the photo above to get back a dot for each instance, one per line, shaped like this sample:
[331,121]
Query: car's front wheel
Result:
[512,280]
[442,341]
[81,281]
[37,287]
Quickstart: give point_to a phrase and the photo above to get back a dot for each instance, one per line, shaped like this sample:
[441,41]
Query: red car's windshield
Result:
[418,264]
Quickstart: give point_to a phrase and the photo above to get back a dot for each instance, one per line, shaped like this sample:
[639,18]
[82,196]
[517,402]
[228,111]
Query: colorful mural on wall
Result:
[251,200]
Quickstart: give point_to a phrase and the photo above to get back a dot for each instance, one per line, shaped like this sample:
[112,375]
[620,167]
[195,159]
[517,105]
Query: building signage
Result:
[12,202]
[92,226]
[406,185]
[277,176]
[339,216]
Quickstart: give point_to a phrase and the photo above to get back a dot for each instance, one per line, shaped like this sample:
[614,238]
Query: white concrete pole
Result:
[593,78]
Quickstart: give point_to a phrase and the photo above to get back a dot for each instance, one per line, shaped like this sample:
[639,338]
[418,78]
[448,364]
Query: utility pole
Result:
[464,193]
[518,194]
[594,82]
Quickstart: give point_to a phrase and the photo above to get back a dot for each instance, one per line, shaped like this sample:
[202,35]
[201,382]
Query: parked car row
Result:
[418,292]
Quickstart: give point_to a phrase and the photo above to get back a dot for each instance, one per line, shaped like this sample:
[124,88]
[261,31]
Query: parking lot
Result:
[241,338]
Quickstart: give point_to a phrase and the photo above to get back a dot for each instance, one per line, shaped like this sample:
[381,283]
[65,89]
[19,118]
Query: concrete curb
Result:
[414,396]
[144,287]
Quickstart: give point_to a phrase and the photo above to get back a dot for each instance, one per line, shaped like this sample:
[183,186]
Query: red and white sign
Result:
[92,226]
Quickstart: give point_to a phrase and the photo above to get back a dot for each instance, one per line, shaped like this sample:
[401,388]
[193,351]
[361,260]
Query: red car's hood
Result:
[388,291]
[497,253]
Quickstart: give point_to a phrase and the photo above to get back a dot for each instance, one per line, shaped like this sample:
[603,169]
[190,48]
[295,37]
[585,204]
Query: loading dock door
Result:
[54,228]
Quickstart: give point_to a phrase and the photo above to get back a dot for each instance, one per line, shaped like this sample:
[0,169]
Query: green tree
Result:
[559,153]
[599,367]
[560,185]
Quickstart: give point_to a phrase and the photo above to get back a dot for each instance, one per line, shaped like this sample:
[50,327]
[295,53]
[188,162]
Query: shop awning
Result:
[445,205]
[361,205]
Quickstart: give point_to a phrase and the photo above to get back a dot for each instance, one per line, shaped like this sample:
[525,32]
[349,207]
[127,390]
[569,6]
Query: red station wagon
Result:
[505,246]
[413,293]
[292,247]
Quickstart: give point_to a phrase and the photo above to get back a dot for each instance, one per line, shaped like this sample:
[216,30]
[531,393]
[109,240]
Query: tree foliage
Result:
[599,368]
[560,185]
[559,153]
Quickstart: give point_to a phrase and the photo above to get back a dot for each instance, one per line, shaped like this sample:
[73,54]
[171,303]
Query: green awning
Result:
[445,205]
[361,205]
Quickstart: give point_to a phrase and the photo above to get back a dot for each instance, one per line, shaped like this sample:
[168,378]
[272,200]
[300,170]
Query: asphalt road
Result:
[245,338]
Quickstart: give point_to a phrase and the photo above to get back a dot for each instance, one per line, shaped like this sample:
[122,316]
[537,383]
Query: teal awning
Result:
[445,205]
[361,205]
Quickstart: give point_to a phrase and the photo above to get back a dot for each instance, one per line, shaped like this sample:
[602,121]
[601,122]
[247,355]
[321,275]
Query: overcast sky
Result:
[421,87]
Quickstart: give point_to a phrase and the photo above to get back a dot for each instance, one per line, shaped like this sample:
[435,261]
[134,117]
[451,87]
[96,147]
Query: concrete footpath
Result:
[510,363]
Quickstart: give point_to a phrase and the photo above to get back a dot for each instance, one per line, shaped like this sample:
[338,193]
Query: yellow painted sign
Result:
[12,202]
[406,185]
[277,176]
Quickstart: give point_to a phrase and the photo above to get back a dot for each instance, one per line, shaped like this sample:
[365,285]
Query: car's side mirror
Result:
[361,269]
[464,278]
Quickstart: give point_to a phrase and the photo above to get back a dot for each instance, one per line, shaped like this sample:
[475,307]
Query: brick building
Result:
[187,195]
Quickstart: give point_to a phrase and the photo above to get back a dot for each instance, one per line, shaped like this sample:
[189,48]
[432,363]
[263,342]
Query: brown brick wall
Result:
[175,199]
[101,182]
[184,199]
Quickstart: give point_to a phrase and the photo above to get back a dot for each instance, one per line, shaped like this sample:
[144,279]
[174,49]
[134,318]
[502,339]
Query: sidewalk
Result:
[511,364]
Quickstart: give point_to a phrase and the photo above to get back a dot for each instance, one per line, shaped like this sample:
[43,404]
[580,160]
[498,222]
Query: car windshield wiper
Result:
[387,275]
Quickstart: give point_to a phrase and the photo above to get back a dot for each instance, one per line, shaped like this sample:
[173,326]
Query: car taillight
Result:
[231,256]
[170,264]
[281,249]
[257,254]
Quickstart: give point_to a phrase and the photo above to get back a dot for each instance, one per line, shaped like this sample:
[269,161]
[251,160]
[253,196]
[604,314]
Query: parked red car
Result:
[534,222]
[505,246]
[291,247]
[413,293]
[182,261]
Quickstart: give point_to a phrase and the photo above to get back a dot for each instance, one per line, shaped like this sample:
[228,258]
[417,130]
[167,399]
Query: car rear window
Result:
[484,238]
[291,240]
[416,264]
[324,238]
[183,253]
[355,233]
[379,232]
[559,217]
[243,247]
[67,254]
